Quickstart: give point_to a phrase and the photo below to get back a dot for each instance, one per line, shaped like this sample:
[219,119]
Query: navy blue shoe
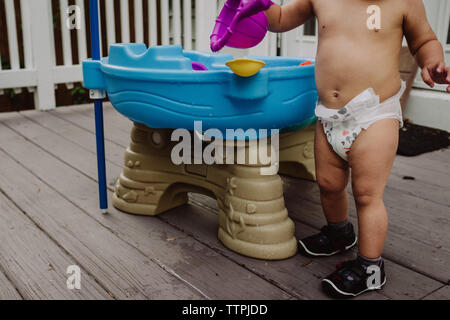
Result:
[328,242]
[353,278]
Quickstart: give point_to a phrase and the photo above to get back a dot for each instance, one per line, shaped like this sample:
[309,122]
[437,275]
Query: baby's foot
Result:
[328,241]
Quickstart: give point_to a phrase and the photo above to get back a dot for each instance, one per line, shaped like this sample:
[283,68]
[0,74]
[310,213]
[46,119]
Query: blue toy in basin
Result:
[159,88]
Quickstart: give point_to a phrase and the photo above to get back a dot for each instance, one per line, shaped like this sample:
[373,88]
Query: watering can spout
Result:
[218,43]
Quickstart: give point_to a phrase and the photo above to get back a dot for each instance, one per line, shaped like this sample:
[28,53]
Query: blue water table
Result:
[162,89]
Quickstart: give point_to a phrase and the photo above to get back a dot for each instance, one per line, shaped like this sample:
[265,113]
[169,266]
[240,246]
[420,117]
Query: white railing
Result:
[186,22]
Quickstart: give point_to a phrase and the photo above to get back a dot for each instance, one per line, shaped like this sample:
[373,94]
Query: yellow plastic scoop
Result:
[245,67]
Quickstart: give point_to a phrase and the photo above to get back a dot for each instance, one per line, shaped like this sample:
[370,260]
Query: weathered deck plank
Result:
[80,137]
[425,172]
[403,283]
[298,275]
[425,186]
[310,287]
[148,234]
[411,217]
[440,294]
[34,263]
[82,116]
[431,284]
[61,144]
[409,241]
[119,267]
[7,289]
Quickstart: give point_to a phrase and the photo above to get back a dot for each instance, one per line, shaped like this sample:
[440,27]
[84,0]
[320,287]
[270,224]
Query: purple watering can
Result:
[241,24]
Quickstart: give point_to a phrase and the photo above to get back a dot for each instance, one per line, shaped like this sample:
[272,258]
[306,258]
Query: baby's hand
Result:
[436,73]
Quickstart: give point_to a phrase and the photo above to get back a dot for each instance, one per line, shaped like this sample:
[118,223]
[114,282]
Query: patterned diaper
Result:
[342,126]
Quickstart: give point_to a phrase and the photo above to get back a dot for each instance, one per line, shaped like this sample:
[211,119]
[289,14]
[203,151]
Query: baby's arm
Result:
[289,16]
[424,45]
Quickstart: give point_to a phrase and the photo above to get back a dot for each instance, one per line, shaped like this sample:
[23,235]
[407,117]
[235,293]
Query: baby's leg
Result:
[371,158]
[332,175]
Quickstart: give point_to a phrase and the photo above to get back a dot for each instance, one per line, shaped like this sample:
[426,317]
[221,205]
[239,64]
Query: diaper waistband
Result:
[367,99]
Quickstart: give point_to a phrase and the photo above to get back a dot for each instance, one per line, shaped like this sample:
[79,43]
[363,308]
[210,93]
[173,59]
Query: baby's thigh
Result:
[331,170]
[372,156]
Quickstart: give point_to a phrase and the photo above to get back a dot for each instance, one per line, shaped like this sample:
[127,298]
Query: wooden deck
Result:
[49,220]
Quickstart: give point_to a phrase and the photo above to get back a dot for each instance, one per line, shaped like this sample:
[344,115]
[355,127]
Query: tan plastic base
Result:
[253,220]
[297,154]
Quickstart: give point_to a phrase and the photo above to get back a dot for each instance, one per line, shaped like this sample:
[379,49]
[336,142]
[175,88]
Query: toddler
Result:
[359,114]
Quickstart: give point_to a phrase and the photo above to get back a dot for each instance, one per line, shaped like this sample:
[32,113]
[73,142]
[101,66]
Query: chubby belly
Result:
[345,68]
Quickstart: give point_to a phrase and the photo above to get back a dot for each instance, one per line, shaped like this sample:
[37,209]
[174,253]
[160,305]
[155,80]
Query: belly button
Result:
[335,94]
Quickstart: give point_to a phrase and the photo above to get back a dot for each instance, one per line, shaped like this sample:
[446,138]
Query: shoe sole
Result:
[310,253]
[334,291]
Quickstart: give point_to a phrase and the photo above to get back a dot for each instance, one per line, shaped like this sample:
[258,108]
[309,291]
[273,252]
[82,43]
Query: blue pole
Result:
[98,105]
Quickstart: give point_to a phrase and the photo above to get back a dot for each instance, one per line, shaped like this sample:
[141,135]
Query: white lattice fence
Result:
[185,22]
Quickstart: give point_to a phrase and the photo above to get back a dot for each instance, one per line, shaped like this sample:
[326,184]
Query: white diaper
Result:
[342,126]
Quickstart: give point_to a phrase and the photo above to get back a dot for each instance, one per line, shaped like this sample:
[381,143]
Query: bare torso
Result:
[351,57]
